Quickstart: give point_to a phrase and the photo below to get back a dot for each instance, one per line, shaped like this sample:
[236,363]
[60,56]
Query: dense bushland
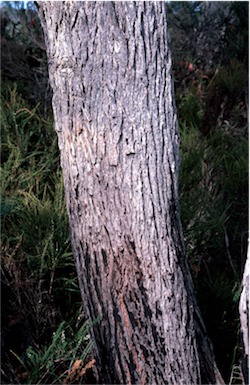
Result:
[210,65]
[39,285]
[44,332]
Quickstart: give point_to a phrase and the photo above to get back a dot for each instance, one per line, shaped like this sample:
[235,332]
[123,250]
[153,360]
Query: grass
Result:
[39,281]
[54,363]
[214,200]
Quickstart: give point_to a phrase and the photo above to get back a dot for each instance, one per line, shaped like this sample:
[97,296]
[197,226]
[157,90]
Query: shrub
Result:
[213,200]
[39,281]
[60,361]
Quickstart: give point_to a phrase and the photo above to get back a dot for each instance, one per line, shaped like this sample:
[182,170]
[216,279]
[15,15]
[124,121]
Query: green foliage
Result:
[237,33]
[231,79]
[213,193]
[38,274]
[211,100]
[23,53]
[46,243]
[52,364]
[26,141]
[209,33]
[190,108]
[214,200]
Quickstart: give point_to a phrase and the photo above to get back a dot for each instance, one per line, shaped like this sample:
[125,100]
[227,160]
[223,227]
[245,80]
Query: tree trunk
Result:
[110,70]
[244,320]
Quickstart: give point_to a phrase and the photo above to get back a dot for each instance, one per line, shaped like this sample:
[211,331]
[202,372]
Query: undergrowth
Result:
[214,212]
[39,281]
[56,363]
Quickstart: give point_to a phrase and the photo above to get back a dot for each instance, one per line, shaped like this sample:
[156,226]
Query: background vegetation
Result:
[45,336]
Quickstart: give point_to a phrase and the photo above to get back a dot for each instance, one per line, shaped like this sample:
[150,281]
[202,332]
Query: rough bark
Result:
[110,70]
